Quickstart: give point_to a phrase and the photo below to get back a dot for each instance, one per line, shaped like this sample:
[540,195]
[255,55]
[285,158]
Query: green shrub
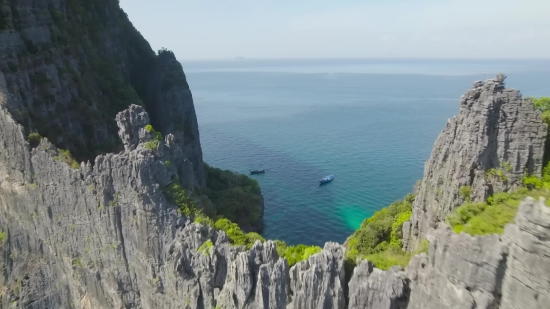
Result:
[158,137]
[423,247]
[466,192]
[392,256]
[176,195]
[546,173]
[236,236]
[151,145]
[77,262]
[380,230]
[235,196]
[396,234]
[205,247]
[542,104]
[500,209]
[493,219]
[379,239]
[67,157]
[501,197]
[461,215]
[204,220]
[3,238]
[34,139]
[495,173]
[487,218]
[532,182]
[295,254]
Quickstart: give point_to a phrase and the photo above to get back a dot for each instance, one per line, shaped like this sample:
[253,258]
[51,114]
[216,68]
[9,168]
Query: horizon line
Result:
[237,59]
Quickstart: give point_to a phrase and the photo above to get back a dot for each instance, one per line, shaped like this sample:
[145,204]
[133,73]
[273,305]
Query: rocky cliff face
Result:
[104,236]
[510,271]
[70,66]
[496,138]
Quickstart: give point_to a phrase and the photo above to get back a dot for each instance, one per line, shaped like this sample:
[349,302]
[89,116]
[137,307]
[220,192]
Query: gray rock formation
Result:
[496,137]
[526,282]
[318,281]
[371,287]
[486,271]
[170,104]
[461,268]
[104,236]
[69,67]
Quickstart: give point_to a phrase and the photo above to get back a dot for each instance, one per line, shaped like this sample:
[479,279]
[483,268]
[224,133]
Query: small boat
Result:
[254,172]
[325,180]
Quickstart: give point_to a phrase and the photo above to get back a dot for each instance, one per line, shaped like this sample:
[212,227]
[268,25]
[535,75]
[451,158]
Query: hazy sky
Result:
[208,29]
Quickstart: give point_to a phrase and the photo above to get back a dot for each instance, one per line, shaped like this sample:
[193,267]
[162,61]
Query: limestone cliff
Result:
[508,271]
[69,66]
[104,236]
[496,139]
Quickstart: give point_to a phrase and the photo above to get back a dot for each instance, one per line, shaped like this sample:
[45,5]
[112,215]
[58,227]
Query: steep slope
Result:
[510,271]
[104,236]
[496,139]
[69,66]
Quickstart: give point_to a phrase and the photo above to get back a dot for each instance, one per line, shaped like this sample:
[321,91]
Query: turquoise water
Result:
[370,124]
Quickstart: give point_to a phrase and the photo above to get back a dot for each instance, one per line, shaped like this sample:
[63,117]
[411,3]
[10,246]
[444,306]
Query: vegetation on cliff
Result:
[486,218]
[90,64]
[178,196]
[543,104]
[2,238]
[295,254]
[237,237]
[236,197]
[238,201]
[500,209]
[379,239]
[103,79]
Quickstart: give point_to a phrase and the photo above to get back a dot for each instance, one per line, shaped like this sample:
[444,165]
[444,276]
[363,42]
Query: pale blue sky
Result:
[208,29]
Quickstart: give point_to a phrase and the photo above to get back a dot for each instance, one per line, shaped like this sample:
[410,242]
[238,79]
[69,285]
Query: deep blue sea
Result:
[370,123]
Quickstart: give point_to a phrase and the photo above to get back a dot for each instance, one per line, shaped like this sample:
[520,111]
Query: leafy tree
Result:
[235,196]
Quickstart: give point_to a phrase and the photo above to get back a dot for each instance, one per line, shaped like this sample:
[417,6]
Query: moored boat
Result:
[254,172]
[325,180]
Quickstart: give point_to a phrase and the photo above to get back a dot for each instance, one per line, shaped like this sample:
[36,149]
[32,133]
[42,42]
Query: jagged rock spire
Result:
[131,123]
[500,78]
[488,147]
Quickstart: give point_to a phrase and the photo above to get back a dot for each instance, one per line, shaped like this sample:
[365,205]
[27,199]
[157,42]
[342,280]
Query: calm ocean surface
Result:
[370,123]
